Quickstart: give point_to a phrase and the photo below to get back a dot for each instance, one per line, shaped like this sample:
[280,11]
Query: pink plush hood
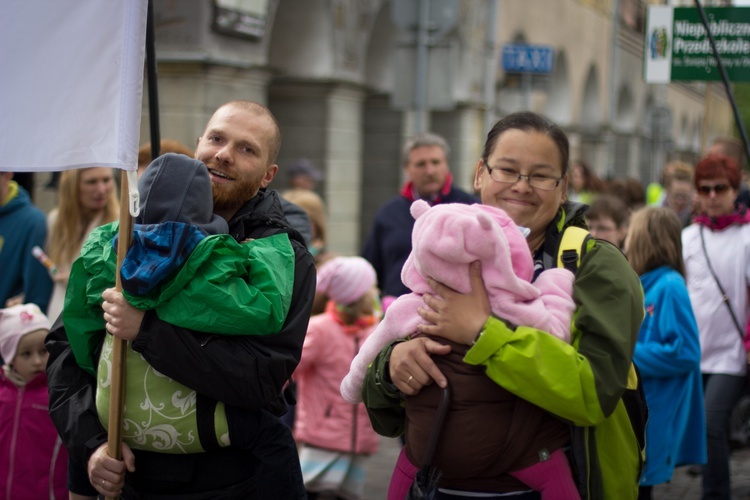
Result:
[447,238]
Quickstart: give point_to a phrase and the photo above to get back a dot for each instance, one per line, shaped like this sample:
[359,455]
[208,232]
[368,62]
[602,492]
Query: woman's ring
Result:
[411,377]
[103,481]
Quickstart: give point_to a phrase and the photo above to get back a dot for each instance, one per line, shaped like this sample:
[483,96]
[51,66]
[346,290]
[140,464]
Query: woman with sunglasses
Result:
[716,248]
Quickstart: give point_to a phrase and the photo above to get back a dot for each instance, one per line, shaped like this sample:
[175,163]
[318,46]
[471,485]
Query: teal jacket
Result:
[582,383]
[668,354]
[224,286]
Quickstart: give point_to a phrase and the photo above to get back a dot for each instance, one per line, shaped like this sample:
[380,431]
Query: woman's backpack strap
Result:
[573,244]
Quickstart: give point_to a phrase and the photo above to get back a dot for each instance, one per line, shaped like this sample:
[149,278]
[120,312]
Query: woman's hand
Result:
[106,474]
[123,320]
[411,366]
[453,315]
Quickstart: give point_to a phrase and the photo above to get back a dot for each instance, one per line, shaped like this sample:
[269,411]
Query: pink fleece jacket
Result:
[446,239]
[33,461]
[323,418]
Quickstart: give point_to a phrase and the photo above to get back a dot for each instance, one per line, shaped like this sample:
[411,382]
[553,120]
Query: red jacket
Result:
[33,461]
[323,419]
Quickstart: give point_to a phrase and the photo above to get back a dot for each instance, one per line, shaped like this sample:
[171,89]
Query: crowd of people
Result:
[589,369]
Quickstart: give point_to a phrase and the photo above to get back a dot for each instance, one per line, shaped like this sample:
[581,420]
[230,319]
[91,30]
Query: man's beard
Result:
[229,197]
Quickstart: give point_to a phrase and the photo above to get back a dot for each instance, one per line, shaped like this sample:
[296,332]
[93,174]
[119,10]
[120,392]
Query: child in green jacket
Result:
[183,264]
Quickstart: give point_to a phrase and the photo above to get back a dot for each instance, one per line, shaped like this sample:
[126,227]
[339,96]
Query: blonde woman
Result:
[87,200]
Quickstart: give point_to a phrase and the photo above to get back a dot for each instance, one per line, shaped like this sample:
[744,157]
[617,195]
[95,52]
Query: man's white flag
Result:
[71,83]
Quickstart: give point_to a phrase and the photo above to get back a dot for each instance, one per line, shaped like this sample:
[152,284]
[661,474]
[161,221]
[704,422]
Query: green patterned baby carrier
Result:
[160,414]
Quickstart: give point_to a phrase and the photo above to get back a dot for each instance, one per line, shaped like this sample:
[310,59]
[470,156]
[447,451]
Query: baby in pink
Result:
[446,239]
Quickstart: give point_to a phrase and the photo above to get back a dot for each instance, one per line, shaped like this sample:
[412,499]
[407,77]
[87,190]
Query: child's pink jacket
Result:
[323,419]
[446,239]
[33,461]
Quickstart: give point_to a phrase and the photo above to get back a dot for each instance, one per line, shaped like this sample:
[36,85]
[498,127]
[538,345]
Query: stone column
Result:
[463,128]
[323,123]
[343,184]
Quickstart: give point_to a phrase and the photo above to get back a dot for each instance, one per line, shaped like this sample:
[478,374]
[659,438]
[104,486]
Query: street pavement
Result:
[682,487]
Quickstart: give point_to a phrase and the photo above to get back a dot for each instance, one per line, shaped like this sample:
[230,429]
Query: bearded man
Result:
[239,146]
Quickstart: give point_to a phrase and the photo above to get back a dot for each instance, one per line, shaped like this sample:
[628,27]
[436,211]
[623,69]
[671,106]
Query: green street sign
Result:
[676,47]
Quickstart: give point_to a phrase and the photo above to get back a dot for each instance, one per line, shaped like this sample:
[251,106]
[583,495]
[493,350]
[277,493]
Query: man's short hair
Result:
[426,139]
[260,110]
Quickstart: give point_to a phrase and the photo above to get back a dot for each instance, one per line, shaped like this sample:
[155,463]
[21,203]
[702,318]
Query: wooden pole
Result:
[119,346]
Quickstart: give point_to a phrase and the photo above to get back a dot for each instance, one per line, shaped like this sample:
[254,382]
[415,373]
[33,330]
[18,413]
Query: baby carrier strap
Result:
[573,245]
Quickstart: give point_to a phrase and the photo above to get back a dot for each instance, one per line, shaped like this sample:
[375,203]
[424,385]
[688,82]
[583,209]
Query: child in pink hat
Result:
[336,436]
[33,462]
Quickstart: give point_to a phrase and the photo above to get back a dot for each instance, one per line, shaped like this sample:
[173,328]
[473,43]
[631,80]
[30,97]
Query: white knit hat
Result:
[346,279]
[15,322]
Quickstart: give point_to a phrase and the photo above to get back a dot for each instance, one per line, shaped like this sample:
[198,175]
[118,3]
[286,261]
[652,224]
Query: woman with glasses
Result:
[523,170]
[716,248]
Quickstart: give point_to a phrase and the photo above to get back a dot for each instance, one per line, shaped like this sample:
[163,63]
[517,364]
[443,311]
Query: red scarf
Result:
[740,216]
[408,191]
[359,324]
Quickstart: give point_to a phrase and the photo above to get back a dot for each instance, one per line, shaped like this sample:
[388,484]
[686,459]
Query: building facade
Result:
[341,76]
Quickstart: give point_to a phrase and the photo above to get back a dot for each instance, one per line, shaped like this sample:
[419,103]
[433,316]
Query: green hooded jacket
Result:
[224,286]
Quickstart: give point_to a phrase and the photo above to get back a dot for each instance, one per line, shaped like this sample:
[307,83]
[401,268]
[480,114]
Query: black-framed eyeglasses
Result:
[718,189]
[511,176]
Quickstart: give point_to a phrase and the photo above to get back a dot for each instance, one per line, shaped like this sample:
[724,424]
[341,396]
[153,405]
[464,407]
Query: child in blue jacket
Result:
[668,350]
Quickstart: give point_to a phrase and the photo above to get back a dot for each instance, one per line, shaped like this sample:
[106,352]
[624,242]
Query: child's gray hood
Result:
[177,188]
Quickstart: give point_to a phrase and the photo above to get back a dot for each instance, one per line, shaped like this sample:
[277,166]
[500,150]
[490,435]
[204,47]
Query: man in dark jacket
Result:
[425,163]
[246,372]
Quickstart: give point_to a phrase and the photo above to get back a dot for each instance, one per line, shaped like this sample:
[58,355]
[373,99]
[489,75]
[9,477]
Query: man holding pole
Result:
[247,372]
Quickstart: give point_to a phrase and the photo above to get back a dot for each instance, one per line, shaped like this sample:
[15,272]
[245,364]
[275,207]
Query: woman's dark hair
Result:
[716,167]
[528,122]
